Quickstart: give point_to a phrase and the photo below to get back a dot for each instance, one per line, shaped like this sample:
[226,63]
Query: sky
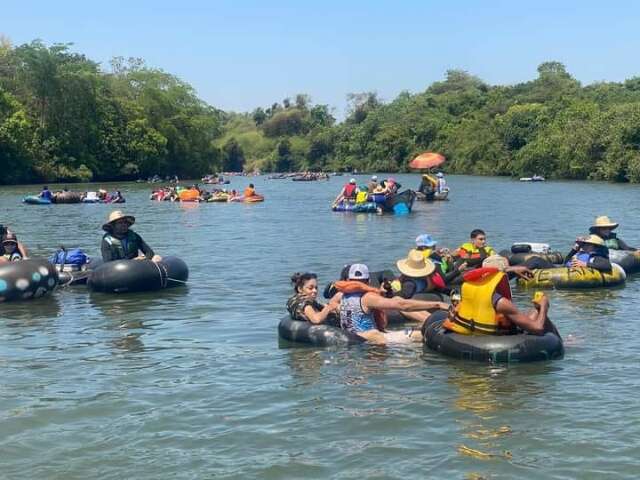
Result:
[239,55]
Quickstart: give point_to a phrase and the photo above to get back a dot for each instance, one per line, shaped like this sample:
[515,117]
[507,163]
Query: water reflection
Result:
[33,311]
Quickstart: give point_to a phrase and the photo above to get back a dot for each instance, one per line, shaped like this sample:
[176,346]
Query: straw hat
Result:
[496,261]
[115,216]
[415,265]
[592,240]
[378,189]
[604,222]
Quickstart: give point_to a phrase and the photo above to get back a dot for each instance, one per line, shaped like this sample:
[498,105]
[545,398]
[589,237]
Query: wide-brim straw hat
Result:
[415,265]
[604,222]
[115,216]
[496,261]
[592,240]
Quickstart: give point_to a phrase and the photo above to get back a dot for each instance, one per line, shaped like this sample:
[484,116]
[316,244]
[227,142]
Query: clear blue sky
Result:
[243,54]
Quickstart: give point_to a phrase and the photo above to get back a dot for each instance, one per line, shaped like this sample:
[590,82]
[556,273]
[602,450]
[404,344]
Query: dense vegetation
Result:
[64,117]
[551,126]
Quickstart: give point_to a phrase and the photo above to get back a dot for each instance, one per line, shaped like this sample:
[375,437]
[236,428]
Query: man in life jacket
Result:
[476,250]
[348,192]
[485,306]
[121,243]
[250,191]
[46,193]
[603,227]
[362,309]
[589,252]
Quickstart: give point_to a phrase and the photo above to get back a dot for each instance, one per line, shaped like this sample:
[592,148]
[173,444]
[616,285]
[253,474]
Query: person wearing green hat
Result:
[121,243]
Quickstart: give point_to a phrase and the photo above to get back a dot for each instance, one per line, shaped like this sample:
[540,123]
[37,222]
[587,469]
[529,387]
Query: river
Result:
[192,382]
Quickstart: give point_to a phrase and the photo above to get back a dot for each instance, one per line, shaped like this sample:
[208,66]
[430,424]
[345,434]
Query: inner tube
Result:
[122,276]
[522,347]
[521,257]
[347,206]
[36,200]
[400,203]
[67,197]
[575,277]
[71,275]
[26,279]
[629,260]
[316,335]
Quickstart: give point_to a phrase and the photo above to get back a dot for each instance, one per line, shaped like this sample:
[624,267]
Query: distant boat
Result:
[535,178]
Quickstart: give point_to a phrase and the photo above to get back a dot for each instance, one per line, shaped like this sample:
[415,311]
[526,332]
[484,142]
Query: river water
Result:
[192,382]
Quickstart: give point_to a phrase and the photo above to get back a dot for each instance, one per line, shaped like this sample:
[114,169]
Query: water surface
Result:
[193,383]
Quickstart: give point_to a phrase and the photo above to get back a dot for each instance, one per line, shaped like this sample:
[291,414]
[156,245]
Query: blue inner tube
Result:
[36,200]
[122,276]
[26,279]
[522,347]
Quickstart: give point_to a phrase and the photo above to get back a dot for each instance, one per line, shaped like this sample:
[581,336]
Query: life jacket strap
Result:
[473,326]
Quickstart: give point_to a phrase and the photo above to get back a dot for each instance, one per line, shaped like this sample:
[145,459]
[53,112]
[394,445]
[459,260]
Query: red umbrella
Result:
[427,160]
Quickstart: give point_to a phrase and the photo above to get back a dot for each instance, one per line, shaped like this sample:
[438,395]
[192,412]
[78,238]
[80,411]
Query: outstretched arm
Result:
[398,303]
[533,322]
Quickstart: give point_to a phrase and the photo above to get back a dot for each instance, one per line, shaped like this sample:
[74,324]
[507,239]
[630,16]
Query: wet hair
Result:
[251,185]
[299,279]
[344,273]
[476,232]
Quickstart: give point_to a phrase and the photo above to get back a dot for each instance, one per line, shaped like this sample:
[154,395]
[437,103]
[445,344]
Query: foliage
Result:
[64,117]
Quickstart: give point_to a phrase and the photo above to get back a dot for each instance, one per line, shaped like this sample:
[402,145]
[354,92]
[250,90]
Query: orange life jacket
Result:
[354,286]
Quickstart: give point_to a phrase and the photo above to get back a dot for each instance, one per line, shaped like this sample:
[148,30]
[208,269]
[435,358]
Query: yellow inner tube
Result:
[574,277]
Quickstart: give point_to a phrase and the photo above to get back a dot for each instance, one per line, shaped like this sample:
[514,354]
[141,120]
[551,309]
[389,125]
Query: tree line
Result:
[64,117]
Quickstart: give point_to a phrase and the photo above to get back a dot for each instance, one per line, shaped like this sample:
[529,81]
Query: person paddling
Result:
[121,243]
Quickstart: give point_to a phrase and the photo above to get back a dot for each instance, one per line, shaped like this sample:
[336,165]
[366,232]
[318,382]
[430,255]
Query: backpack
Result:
[75,258]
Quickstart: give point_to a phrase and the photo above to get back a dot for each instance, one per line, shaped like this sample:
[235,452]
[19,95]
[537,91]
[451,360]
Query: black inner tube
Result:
[522,347]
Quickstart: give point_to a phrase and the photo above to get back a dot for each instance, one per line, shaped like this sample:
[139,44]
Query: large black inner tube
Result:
[628,260]
[138,275]
[317,335]
[26,279]
[522,347]
[555,258]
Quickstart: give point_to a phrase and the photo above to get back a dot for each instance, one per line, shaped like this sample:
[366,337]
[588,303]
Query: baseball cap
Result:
[425,240]
[358,271]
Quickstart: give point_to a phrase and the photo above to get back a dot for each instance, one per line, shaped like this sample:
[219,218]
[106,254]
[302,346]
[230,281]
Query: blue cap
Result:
[425,240]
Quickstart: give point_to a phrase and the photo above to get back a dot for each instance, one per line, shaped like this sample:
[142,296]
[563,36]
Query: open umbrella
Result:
[427,160]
